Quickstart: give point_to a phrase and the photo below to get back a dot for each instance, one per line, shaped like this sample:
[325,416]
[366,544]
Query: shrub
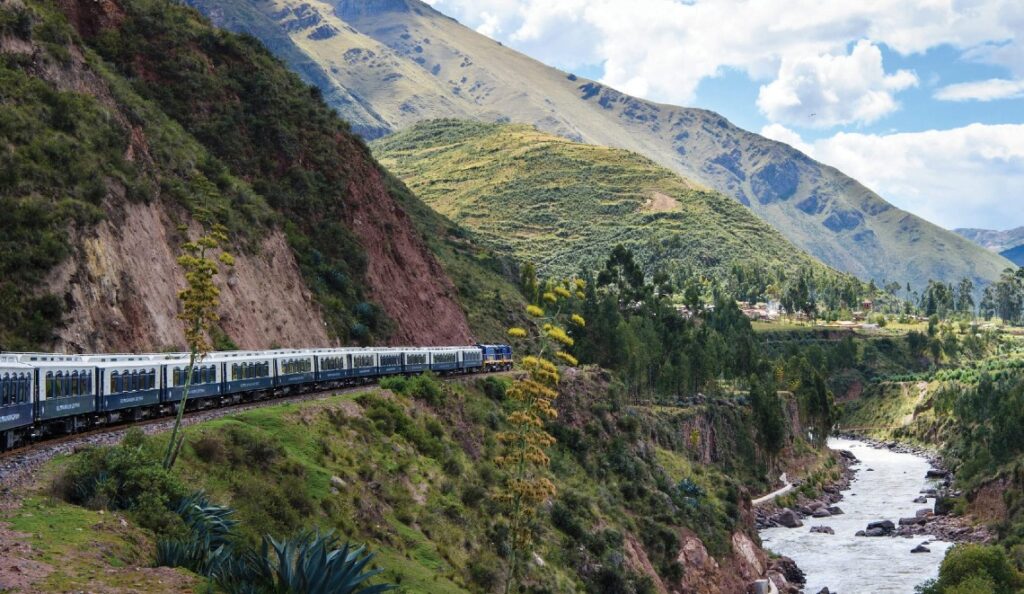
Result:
[425,387]
[976,568]
[129,477]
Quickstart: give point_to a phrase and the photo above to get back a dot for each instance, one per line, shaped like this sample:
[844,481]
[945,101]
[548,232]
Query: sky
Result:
[921,100]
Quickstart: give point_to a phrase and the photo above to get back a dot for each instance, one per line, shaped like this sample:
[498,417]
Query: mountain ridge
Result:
[409,63]
[996,241]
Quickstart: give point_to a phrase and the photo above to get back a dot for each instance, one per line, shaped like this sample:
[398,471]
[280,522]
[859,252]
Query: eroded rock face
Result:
[751,557]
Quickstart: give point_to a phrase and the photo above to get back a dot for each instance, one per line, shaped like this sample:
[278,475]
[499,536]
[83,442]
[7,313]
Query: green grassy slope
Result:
[414,480]
[565,205]
[406,62]
[144,102]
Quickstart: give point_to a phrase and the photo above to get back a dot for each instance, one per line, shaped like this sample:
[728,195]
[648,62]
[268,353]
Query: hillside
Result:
[399,62]
[564,205]
[650,499]
[997,241]
[123,119]
[1015,255]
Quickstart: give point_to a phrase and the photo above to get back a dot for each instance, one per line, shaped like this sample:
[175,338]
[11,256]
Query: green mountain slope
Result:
[120,121]
[404,62]
[565,205]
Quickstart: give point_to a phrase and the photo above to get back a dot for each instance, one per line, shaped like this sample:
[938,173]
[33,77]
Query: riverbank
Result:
[878,488]
[943,523]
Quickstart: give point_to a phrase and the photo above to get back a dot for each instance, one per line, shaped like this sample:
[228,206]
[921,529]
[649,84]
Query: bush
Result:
[425,387]
[130,477]
[968,569]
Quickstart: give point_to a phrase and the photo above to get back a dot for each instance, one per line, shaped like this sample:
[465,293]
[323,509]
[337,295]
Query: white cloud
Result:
[963,177]
[982,90]
[663,49]
[825,91]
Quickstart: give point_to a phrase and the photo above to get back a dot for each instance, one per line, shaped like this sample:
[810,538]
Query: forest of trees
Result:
[634,330]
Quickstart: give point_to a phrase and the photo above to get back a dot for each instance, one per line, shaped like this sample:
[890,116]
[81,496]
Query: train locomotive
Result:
[43,394]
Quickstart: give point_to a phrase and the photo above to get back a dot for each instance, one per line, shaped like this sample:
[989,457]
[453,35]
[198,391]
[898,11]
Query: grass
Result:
[565,205]
[86,549]
[412,481]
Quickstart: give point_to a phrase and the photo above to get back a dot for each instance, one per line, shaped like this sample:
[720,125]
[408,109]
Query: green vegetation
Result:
[202,121]
[976,569]
[410,476]
[565,205]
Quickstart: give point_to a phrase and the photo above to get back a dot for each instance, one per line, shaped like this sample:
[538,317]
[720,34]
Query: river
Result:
[850,564]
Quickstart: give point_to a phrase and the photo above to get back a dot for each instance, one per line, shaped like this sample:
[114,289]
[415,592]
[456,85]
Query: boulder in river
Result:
[921,499]
[920,549]
[822,530]
[861,533]
[821,513]
[788,518]
[789,569]
[835,510]
[874,532]
[936,473]
[815,506]
[886,526]
[912,521]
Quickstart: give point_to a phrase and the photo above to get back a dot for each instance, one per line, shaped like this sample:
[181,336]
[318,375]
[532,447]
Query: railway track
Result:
[18,465]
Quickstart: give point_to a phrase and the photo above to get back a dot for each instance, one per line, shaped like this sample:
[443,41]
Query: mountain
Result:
[565,205]
[1014,254]
[124,122]
[996,241]
[392,63]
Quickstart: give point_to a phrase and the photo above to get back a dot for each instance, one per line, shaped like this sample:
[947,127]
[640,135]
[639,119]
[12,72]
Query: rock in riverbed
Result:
[788,518]
[822,530]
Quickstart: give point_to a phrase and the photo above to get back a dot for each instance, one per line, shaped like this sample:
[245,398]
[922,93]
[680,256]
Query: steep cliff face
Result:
[128,118]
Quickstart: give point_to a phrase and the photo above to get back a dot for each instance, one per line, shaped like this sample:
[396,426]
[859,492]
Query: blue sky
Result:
[921,100]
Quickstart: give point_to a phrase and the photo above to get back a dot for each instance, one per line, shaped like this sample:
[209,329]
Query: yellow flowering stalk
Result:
[525,440]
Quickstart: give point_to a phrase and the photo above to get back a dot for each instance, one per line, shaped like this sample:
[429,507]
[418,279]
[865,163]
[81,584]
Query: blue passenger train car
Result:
[43,393]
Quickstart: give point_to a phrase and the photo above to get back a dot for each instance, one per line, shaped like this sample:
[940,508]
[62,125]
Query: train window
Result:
[5,390]
[49,384]
[115,381]
[74,387]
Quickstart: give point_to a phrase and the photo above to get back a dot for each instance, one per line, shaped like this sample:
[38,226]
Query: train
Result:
[49,394]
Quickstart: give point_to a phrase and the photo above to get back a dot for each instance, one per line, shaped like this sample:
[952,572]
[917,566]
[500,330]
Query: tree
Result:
[970,568]
[965,296]
[525,440]
[767,409]
[199,301]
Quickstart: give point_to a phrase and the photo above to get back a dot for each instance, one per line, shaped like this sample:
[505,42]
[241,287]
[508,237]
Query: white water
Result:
[850,564]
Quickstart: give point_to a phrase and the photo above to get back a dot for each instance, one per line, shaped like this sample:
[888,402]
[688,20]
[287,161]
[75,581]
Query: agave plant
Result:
[314,563]
[206,548]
